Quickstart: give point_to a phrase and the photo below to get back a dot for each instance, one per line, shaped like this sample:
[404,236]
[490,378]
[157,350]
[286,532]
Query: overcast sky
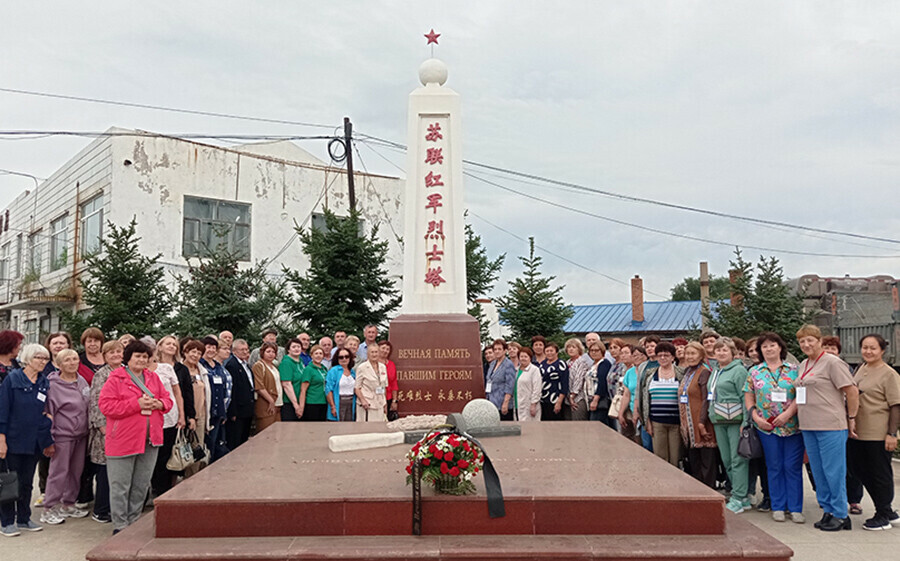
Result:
[784,111]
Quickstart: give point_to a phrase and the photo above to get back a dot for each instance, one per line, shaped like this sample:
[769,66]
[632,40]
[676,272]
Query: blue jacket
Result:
[219,389]
[333,386]
[22,417]
[502,380]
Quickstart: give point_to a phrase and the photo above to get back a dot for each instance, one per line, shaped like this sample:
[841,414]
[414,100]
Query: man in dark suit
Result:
[240,411]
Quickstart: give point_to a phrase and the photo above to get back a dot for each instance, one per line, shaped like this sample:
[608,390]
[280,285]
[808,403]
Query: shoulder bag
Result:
[9,485]
[616,406]
[182,453]
[749,446]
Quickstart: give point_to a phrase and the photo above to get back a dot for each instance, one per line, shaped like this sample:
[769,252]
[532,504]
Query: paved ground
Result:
[70,541]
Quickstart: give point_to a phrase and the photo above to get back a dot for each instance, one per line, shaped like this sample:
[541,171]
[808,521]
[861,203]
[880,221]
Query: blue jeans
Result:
[784,463]
[827,451]
[19,511]
[646,439]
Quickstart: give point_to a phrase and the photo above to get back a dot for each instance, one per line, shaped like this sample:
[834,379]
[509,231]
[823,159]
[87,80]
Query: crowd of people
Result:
[99,426]
[689,402]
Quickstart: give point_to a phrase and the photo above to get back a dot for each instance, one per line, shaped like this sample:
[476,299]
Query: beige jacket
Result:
[528,391]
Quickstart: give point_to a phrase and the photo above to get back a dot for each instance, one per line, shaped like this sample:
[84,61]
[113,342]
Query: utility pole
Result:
[348,146]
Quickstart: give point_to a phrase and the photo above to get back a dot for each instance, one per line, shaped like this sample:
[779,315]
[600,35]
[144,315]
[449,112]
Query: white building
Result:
[179,191]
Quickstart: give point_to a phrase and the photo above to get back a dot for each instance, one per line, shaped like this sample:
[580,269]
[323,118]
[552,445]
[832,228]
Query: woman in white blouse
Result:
[527,392]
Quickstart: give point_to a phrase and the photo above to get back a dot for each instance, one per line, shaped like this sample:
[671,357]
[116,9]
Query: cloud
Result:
[789,112]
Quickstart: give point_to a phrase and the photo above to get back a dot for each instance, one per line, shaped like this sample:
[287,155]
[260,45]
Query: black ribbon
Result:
[496,506]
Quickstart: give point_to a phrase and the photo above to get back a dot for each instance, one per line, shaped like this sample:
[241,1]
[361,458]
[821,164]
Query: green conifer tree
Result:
[532,306]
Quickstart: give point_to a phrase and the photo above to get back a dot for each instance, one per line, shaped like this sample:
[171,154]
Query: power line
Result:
[558,256]
[641,227]
[674,234]
[632,198]
[163,108]
[35,134]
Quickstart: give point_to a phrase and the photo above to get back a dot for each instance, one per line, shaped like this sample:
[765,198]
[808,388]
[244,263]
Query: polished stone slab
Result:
[558,478]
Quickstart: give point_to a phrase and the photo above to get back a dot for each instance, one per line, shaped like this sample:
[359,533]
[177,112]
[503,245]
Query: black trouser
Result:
[101,499]
[43,471]
[758,469]
[547,413]
[86,491]
[854,485]
[287,413]
[315,412]
[871,463]
[508,416]
[161,480]
[19,511]
[237,431]
[703,465]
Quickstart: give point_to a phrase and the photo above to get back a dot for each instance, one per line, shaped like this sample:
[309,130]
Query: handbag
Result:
[198,449]
[9,485]
[182,453]
[725,412]
[616,406]
[749,446]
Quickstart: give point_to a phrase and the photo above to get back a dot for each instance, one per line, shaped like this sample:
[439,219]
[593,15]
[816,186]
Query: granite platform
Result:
[573,490]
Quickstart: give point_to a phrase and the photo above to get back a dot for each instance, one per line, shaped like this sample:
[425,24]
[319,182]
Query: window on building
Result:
[33,251]
[91,225]
[31,331]
[318,223]
[210,224]
[19,271]
[59,240]
[5,274]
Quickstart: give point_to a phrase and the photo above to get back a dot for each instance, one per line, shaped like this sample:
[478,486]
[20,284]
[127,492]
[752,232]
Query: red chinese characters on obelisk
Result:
[434,235]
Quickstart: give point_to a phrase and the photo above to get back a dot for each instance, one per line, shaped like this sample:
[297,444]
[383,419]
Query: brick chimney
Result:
[637,299]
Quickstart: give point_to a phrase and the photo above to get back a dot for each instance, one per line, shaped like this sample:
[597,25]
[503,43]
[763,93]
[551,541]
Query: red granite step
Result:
[741,540]
[558,478]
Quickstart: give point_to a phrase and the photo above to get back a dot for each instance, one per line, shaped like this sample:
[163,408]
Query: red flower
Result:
[453,441]
[463,464]
[416,447]
[465,445]
[448,456]
[454,471]
[409,470]
[426,462]
[433,448]
[444,468]
[439,454]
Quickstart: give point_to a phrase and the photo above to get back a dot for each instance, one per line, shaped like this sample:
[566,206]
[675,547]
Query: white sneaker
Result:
[72,512]
[40,501]
[51,517]
[798,517]
[778,515]
[82,506]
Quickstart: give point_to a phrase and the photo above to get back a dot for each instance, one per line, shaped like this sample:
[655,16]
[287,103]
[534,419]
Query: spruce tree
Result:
[347,285]
[217,295]
[481,275]
[532,306]
[123,289]
[765,304]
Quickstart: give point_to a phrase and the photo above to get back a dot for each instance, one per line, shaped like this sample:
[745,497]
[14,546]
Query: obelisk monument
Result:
[436,343]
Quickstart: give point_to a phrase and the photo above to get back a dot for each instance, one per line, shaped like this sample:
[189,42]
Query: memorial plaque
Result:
[438,358]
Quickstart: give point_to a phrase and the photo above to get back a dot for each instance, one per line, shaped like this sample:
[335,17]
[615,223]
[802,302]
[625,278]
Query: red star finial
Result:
[432,37]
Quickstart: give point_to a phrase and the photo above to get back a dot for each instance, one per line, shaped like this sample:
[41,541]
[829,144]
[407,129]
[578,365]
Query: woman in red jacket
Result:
[133,401]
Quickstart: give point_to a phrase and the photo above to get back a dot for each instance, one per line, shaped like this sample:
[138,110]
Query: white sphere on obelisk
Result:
[433,71]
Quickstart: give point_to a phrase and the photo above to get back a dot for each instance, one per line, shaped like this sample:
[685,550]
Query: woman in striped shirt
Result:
[665,419]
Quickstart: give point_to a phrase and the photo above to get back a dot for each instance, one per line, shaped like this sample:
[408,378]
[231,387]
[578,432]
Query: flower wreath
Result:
[449,462]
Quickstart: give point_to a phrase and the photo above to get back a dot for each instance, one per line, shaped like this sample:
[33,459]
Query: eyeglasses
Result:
[343,357]
[41,357]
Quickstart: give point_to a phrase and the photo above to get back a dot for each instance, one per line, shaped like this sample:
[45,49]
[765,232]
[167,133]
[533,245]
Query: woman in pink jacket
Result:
[133,401]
